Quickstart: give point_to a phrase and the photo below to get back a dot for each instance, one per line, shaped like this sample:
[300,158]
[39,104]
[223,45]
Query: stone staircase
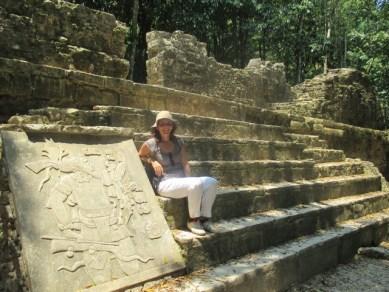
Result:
[287,206]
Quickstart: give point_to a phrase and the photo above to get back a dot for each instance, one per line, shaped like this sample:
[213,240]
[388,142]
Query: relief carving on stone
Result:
[97,208]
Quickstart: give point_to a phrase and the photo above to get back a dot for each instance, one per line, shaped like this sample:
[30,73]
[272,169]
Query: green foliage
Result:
[369,45]
[306,35]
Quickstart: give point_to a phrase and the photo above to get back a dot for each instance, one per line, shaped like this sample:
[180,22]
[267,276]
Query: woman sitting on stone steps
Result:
[167,155]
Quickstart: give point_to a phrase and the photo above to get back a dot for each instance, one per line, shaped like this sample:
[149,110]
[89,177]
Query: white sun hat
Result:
[163,115]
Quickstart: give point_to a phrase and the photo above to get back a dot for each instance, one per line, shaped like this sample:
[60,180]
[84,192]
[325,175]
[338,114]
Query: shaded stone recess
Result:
[24,85]
[180,61]
[86,216]
[342,95]
[62,34]
[11,274]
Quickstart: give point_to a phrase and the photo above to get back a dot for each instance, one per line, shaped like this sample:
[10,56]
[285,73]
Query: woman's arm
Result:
[184,161]
[145,154]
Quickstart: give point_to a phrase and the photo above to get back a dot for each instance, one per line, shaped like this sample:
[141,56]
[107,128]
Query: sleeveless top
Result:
[170,161]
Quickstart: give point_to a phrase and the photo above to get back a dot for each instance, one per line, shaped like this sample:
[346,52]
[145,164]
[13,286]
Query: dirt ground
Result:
[360,275]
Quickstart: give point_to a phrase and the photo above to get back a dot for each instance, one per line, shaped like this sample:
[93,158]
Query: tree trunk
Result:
[134,30]
[144,21]
[242,43]
[300,50]
[345,51]
[235,57]
[328,35]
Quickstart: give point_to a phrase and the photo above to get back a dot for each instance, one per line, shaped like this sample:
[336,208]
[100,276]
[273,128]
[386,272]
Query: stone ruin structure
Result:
[178,60]
[298,195]
[342,95]
[65,35]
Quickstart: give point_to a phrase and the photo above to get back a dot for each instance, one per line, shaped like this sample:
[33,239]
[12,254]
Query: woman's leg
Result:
[209,194]
[190,187]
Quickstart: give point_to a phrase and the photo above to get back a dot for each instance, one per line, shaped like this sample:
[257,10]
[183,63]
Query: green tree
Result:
[368,44]
[308,36]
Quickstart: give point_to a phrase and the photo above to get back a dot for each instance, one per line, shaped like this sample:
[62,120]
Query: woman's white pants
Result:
[201,193]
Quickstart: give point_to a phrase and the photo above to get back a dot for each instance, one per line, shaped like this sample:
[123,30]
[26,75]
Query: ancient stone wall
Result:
[25,86]
[180,61]
[342,95]
[63,34]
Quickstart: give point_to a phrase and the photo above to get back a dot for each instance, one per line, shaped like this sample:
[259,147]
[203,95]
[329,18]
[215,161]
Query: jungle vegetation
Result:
[308,36]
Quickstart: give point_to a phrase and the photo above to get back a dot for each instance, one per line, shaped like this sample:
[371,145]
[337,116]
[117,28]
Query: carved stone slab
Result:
[86,213]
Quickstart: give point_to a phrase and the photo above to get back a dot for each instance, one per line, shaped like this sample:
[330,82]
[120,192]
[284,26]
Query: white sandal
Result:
[196,228]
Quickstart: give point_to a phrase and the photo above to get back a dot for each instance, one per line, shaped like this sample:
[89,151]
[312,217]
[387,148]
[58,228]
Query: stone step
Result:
[277,268]
[251,172]
[305,127]
[141,121]
[280,105]
[348,167]
[202,148]
[254,171]
[242,201]
[324,155]
[238,237]
[191,125]
[311,141]
[153,97]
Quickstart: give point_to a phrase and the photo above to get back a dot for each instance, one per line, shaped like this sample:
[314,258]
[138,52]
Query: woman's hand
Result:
[187,170]
[145,154]
[184,161]
[158,168]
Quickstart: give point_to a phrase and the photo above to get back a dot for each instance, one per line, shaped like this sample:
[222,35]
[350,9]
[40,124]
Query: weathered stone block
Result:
[63,34]
[376,252]
[86,212]
[348,246]
[339,168]
[254,172]
[311,261]
[343,95]
[283,273]
[179,61]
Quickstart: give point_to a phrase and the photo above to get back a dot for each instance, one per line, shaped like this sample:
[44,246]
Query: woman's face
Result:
[165,126]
